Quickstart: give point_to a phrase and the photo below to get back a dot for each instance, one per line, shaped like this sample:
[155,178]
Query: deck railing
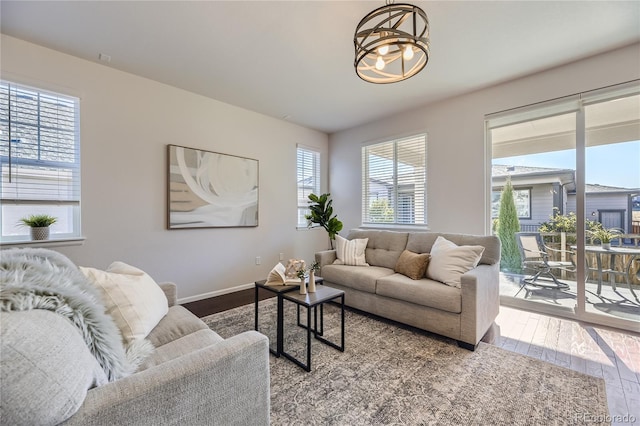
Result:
[565,240]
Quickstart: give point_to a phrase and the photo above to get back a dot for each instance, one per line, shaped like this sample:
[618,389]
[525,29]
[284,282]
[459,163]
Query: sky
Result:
[611,165]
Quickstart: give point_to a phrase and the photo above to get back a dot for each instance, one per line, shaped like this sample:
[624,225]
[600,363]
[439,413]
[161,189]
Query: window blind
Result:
[308,180]
[394,180]
[39,152]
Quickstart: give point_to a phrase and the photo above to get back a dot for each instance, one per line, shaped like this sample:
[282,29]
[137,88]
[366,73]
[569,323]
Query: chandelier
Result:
[392,43]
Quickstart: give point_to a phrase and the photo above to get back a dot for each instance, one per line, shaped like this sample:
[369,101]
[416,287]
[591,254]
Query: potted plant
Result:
[604,236]
[302,274]
[39,224]
[322,215]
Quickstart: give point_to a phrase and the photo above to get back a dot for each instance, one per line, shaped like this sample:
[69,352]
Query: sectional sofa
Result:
[62,358]
[464,312]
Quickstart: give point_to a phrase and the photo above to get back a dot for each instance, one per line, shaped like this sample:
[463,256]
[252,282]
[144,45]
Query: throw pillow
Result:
[45,368]
[413,265]
[134,300]
[450,261]
[351,252]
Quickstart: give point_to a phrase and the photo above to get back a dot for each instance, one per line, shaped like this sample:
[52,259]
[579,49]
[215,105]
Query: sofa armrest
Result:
[326,257]
[480,289]
[171,291]
[226,383]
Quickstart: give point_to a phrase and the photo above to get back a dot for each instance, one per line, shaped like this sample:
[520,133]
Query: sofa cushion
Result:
[46,368]
[355,277]
[351,252]
[421,242]
[450,261]
[132,298]
[182,346]
[384,247]
[178,322]
[423,292]
[413,265]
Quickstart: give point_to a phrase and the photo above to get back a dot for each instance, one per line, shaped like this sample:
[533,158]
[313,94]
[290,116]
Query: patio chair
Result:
[535,257]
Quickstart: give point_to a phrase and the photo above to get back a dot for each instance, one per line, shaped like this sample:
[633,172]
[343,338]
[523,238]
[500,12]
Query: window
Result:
[522,199]
[39,160]
[394,182]
[308,180]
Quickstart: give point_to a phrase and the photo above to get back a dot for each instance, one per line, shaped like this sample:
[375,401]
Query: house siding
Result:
[594,203]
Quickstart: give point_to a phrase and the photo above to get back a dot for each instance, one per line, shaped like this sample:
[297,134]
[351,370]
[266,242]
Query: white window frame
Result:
[43,175]
[308,161]
[396,195]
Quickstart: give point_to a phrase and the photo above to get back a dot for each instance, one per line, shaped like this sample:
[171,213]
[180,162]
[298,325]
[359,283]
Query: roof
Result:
[520,173]
[504,170]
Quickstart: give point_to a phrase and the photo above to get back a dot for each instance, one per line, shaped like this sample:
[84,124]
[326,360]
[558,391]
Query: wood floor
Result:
[599,351]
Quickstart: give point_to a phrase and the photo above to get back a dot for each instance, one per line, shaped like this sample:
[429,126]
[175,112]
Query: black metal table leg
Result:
[308,367]
[308,302]
[280,327]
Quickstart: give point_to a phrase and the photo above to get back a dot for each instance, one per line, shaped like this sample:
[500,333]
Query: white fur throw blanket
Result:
[33,278]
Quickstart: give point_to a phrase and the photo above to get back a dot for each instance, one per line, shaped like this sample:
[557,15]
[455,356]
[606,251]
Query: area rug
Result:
[392,374]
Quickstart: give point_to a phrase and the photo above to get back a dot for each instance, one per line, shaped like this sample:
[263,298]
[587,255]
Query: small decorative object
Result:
[277,276]
[315,266]
[303,287]
[293,267]
[39,224]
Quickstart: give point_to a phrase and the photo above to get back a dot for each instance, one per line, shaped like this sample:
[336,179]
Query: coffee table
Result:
[279,290]
[313,300]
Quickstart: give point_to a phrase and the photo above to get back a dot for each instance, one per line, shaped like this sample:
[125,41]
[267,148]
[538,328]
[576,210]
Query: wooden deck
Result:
[619,303]
[598,351]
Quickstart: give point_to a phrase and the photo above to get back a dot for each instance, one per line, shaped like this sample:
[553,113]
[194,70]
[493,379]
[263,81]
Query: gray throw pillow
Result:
[45,368]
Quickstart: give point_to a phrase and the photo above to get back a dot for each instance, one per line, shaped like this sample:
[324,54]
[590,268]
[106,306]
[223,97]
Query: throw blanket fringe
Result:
[45,279]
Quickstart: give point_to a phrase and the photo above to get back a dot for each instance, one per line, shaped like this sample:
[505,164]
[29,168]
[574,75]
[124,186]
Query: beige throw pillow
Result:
[413,265]
[132,298]
[450,261]
[351,252]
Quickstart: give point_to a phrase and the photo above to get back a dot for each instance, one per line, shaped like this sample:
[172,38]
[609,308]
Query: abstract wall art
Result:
[208,189]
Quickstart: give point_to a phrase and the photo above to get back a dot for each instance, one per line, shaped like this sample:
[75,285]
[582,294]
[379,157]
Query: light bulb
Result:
[383,50]
[408,53]
[380,63]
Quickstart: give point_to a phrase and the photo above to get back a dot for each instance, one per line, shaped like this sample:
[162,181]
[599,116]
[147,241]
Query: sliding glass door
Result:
[612,213]
[571,168]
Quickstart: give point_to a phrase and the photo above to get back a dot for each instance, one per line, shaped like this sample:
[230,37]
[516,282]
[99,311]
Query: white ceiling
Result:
[294,59]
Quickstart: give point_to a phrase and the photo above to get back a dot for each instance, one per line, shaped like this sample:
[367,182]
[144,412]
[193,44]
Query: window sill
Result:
[392,227]
[75,241]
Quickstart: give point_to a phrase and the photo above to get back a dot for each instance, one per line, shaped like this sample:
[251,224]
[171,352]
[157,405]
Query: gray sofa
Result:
[464,313]
[193,377]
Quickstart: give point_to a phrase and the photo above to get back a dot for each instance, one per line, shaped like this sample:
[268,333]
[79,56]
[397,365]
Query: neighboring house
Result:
[539,190]
[608,205]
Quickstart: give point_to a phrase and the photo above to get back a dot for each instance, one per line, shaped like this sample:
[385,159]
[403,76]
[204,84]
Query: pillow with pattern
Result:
[351,252]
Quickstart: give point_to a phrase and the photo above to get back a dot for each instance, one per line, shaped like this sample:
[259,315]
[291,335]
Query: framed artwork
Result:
[208,189]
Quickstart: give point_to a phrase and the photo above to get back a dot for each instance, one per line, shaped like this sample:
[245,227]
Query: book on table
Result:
[278,276]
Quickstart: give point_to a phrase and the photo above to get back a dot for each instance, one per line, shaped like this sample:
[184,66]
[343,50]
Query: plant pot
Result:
[606,246]
[40,233]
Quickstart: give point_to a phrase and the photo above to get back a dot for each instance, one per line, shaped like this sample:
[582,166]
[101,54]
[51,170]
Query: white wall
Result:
[126,123]
[458,185]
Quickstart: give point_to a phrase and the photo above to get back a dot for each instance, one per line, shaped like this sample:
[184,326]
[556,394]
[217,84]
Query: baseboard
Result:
[215,293]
